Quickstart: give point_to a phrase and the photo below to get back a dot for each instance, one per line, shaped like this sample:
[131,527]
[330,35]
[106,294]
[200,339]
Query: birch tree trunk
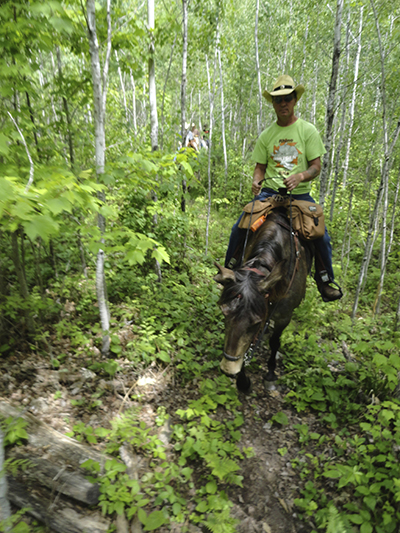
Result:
[387,164]
[66,111]
[342,127]
[164,91]
[259,116]
[303,64]
[211,99]
[152,79]
[223,121]
[153,106]
[330,110]
[184,67]
[183,88]
[353,100]
[134,117]
[367,250]
[122,83]
[99,81]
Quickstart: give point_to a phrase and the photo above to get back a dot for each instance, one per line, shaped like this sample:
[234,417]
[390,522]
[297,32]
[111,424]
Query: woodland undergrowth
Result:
[344,372]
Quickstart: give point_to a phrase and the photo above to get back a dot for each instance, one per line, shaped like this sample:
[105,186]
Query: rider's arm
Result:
[314,168]
[258,178]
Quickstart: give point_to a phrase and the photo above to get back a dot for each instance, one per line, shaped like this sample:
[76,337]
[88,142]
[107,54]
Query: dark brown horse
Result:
[265,289]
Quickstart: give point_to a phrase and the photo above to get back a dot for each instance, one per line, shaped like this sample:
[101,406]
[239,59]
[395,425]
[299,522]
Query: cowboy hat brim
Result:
[282,92]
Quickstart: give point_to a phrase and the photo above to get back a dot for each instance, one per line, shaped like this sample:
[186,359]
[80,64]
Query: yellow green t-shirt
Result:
[286,151]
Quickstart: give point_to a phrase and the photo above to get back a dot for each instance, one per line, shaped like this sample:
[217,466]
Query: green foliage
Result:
[14,431]
[199,437]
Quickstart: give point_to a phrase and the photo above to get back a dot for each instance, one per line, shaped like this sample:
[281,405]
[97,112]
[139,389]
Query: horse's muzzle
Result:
[231,365]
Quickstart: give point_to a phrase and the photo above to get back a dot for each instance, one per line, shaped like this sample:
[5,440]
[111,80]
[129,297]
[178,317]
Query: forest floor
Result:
[62,398]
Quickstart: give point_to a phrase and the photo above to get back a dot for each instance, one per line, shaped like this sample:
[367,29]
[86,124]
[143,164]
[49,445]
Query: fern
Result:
[337,523]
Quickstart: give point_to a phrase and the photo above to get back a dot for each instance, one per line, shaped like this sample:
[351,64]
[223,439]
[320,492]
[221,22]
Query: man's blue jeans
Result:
[322,245]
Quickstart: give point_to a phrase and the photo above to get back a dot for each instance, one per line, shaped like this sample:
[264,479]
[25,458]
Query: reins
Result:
[249,354]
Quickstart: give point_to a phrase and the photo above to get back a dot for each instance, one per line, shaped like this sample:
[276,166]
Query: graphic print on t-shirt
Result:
[285,155]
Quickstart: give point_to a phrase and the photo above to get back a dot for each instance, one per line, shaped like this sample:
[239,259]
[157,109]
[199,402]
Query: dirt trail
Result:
[263,505]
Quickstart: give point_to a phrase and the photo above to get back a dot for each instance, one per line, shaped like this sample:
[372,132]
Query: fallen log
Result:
[51,441]
[59,480]
[59,518]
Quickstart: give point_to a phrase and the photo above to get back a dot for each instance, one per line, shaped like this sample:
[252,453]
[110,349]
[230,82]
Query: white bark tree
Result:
[259,116]
[353,100]
[153,106]
[330,109]
[388,147]
[99,82]
[152,79]
[211,93]
[223,120]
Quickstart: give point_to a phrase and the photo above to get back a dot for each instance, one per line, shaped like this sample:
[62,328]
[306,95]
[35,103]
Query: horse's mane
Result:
[266,250]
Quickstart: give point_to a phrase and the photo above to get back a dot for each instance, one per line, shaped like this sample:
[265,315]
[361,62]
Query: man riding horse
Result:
[288,154]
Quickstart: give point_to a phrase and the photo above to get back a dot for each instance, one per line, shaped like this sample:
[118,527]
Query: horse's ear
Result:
[225,275]
[269,284]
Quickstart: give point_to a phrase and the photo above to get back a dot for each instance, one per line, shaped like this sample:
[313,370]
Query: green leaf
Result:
[370,501]
[164,356]
[280,418]
[41,226]
[58,205]
[62,25]
[142,516]
[155,520]
[211,487]
[355,518]
[366,527]
[332,474]
[202,507]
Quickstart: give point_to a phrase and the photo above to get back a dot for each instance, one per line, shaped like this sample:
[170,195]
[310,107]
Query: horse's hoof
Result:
[244,384]
[269,385]
[271,376]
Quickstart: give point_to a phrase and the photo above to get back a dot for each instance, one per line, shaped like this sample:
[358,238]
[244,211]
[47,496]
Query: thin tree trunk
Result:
[66,111]
[164,91]
[153,106]
[303,64]
[342,122]
[183,89]
[133,104]
[99,100]
[211,99]
[259,116]
[347,235]
[23,287]
[330,110]
[152,79]
[353,100]
[367,249]
[223,122]
[121,81]
[388,148]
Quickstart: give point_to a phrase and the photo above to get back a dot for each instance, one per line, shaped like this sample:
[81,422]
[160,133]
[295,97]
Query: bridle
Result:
[255,343]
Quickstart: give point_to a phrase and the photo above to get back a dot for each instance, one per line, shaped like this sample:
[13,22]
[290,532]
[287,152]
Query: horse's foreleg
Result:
[274,344]
[243,383]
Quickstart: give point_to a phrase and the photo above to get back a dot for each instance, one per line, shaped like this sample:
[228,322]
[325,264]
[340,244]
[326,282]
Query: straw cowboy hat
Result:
[284,85]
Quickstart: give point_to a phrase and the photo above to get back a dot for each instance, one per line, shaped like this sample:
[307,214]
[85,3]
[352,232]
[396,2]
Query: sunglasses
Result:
[280,99]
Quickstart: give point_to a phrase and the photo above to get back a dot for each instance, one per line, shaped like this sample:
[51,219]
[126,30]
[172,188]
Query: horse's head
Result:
[245,303]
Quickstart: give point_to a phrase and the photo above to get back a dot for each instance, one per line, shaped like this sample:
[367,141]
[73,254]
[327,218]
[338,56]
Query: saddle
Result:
[308,219]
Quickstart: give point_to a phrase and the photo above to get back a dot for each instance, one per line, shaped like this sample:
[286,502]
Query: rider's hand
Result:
[256,186]
[292,181]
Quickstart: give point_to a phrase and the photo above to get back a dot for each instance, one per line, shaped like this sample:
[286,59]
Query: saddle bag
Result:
[253,211]
[307,219]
